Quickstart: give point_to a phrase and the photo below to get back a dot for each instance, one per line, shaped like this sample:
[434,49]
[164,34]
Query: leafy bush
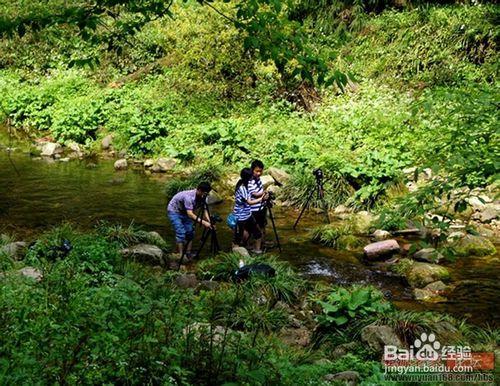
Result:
[345,304]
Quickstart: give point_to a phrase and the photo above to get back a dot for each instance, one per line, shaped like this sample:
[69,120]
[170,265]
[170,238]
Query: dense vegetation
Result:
[95,317]
[188,87]
[362,89]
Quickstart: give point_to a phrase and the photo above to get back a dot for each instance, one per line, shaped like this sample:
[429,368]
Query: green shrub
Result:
[345,304]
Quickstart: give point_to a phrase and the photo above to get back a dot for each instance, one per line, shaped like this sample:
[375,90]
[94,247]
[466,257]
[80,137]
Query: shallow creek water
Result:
[46,193]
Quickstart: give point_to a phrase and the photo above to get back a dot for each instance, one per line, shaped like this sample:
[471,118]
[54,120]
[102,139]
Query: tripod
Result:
[319,190]
[207,232]
[268,204]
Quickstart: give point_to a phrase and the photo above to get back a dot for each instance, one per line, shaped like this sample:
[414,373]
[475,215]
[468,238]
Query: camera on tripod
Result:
[318,173]
[215,218]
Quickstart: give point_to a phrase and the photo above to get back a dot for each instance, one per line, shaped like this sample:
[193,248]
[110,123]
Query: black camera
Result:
[318,173]
[215,218]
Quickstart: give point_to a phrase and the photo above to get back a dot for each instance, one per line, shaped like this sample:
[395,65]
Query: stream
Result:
[48,192]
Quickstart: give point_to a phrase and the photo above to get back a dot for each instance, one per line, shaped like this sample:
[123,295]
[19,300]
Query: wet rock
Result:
[476,203]
[213,198]
[488,214]
[144,252]
[419,274]
[32,273]
[296,336]
[428,295]
[50,149]
[107,142]
[376,337]
[14,250]
[121,164]
[241,250]
[148,163]
[453,236]
[186,281]
[279,175]
[429,255]
[381,249]
[473,245]
[436,286]
[349,378]
[380,235]
[166,164]
[76,151]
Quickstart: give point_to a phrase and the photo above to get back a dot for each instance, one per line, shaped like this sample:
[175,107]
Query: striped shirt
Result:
[241,207]
[255,186]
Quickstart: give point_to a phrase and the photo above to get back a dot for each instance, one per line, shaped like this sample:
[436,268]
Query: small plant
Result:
[128,235]
[345,304]
[338,237]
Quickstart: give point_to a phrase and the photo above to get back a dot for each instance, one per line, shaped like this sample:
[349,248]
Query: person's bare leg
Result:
[244,239]
[180,248]
[189,246]
[258,245]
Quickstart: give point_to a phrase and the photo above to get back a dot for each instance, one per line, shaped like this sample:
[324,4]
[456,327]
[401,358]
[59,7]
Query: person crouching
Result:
[180,211]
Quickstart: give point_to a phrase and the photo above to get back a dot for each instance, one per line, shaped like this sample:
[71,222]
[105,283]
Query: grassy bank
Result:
[91,315]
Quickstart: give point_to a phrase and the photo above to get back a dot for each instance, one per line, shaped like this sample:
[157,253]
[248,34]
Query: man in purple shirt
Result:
[180,211]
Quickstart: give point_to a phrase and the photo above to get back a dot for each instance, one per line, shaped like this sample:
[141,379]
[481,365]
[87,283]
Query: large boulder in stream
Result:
[381,249]
[472,245]
[418,274]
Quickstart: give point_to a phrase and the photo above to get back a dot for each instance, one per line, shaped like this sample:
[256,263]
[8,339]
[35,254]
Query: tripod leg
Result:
[204,238]
[271,217]
[321,196]
[306,204]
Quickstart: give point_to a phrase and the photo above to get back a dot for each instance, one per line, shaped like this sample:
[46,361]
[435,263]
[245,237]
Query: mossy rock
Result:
[420,274]
[473,245]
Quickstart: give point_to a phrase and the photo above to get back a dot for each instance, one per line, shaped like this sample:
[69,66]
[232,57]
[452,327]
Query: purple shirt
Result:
[182,202]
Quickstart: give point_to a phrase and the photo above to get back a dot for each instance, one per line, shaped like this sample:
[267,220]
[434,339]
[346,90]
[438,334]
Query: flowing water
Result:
[46,193]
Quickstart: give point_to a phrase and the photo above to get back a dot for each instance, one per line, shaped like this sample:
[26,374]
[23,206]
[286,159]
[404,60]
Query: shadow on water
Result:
[47,193]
